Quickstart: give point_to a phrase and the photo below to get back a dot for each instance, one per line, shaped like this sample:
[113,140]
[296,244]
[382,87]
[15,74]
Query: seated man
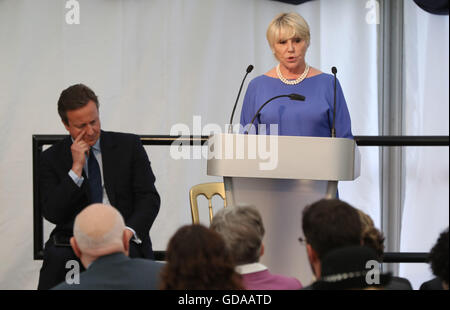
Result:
[351,268]
[93,166]
[329,224]
[100,241]
[243,230]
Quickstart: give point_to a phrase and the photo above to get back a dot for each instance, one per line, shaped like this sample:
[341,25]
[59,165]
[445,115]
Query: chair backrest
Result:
[208,190]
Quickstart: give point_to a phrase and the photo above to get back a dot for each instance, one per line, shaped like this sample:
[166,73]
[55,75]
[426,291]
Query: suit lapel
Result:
[67,154]
[107,146]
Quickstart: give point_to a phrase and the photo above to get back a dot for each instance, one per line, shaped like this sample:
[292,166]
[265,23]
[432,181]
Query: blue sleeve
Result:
[343,122]
[78,180]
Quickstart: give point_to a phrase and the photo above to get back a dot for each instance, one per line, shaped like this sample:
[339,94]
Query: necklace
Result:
[292,82]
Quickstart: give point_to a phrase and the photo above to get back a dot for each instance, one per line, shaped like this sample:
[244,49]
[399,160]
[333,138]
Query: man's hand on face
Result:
[79,148]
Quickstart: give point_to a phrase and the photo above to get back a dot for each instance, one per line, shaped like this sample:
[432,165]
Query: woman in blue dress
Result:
[289,37]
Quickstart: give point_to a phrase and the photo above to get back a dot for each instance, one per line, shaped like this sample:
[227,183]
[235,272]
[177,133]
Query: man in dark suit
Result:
[329,224]
[332,224]
[100,241]
[93,166]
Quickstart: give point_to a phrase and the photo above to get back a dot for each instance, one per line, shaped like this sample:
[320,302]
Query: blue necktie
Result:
[95,178]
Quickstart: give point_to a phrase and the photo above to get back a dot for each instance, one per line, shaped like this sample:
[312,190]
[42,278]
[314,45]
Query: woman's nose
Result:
[290,45]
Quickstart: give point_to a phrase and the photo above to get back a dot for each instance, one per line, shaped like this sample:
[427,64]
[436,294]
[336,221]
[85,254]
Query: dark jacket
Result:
[129,183]
[117,272]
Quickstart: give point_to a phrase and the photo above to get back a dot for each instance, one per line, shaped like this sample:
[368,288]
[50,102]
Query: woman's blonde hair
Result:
[285,26]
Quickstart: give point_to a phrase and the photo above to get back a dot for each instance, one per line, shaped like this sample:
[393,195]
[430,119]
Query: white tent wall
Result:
[155,64]
[426,103]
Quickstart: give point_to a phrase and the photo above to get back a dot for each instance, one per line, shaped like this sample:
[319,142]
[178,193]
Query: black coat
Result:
[117,272]
[129,184]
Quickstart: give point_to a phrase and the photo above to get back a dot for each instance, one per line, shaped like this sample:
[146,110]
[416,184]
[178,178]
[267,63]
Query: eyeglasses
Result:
[302,240]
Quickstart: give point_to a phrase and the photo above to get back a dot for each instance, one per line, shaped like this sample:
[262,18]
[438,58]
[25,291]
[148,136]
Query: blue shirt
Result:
[79,180]
[312,117]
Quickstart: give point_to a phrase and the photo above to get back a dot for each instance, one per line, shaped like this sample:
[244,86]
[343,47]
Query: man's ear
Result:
[126,241]
[76,249]
[261,251]
[314,260]
[65,125]
[312,255]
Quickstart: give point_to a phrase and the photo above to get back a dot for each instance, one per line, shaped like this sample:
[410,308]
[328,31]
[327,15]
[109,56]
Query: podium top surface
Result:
[283,157]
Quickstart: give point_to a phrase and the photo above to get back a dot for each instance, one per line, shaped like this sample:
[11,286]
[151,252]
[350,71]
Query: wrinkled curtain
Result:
[426,104]
[155,64]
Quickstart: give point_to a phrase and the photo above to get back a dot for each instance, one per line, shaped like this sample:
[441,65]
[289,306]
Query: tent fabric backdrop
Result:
[426,103]
[155,64]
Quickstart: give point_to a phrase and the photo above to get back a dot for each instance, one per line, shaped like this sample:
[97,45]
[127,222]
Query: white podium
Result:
[280,175]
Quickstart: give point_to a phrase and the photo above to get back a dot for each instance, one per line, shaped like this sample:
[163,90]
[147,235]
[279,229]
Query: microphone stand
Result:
[332,186]
[291,96]
[333,128]
[249,69]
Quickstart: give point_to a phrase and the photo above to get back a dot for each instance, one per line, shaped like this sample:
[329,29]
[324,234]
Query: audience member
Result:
[101,243]
[374,239]
[351,268]
[434,284]
[329,224]
[439,264]
[243,231]
[197,259]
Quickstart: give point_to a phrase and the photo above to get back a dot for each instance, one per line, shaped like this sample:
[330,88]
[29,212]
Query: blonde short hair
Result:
[285,26]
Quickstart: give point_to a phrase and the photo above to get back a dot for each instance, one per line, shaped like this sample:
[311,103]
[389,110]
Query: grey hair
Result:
[112,237]
[243,231]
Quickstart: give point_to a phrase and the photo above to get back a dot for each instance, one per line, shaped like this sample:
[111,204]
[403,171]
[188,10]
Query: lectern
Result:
[280,175]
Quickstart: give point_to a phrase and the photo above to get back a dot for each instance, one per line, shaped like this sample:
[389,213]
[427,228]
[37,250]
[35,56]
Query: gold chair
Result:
[208,190]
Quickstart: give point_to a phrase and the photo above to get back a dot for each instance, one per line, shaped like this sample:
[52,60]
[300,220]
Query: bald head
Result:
[98,230]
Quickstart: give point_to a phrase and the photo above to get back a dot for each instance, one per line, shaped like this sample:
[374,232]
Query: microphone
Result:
[249,69]
[292,96]
[297,97]
[333,128]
